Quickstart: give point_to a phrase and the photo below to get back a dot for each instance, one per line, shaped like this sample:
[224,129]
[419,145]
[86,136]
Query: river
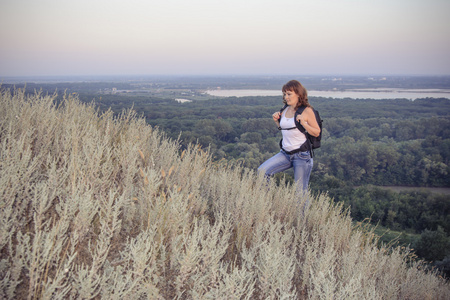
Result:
[383,93]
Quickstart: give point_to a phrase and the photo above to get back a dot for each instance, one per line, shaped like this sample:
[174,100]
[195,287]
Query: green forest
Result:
[366,145]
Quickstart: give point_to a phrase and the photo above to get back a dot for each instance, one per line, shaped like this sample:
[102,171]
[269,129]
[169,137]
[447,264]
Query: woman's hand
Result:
[301,119]
[276,116]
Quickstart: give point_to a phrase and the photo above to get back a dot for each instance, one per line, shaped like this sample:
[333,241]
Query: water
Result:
[385,93]
[179,100]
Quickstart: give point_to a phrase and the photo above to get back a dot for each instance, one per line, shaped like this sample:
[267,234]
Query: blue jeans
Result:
[302,163]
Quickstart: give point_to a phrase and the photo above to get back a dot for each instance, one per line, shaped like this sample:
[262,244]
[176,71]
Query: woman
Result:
[295,150]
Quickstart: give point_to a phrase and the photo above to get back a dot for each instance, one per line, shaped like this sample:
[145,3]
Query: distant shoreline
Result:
[364,93]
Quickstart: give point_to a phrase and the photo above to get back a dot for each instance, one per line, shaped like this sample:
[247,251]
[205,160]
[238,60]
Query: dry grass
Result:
[95,206]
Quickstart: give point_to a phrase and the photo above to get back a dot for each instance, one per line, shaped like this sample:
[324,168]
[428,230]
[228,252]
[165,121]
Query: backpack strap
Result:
[303,130]
[281,115]
[297,123]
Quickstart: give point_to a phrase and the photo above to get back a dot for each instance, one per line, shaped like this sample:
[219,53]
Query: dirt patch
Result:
[434,190]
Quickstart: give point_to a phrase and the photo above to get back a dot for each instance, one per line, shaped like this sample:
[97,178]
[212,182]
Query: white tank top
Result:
[292,139]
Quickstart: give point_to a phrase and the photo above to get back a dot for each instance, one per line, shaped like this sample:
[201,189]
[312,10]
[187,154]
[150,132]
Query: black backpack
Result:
[313,141]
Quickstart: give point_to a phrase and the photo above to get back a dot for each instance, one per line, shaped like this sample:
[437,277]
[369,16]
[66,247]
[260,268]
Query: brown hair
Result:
[296,87]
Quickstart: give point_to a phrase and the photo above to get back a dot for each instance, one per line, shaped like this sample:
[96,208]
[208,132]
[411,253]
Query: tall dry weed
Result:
[94,205]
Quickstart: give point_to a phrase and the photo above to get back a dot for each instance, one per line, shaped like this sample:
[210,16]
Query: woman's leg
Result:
[303,164]
[277,163]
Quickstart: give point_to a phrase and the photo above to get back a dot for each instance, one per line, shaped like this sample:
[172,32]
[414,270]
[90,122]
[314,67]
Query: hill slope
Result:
[97,206]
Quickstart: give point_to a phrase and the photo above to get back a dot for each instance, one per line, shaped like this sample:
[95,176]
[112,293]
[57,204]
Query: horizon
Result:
[212,38]
[405,86]
[89,77]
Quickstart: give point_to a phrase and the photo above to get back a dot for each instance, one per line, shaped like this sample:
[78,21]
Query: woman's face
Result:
[291,98]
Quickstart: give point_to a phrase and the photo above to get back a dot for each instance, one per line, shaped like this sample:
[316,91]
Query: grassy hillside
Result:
[95,206]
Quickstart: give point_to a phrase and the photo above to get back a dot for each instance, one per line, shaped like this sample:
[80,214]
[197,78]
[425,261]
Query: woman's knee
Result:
[264,171]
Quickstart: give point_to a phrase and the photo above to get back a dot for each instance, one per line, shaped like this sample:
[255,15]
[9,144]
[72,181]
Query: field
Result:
[94,206]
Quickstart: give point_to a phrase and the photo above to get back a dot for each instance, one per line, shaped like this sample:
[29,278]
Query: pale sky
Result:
[213,37]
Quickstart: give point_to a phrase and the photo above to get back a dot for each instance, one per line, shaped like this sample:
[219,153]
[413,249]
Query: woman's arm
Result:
[308,120]
[276,118]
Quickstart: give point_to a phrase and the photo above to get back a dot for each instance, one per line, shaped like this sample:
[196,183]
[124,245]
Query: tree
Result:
[222,128]
[251,137]
[433,245]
